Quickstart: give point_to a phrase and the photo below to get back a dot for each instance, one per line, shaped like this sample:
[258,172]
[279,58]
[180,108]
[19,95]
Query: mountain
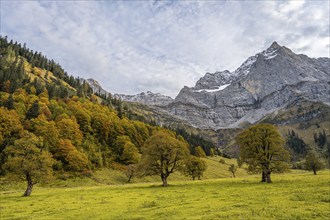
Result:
[275,86]
[148,98]
[263,84]
[96,87]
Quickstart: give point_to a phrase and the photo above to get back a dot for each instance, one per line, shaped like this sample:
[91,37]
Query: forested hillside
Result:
[45,110]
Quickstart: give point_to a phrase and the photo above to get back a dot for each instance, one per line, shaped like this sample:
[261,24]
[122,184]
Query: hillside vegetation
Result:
[52,123]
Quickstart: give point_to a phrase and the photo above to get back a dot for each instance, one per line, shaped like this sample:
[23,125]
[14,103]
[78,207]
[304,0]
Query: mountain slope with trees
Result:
[73,129]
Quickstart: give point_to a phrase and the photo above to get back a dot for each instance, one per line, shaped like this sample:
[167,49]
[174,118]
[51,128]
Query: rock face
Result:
[148,98]
[96,87]
[264,83]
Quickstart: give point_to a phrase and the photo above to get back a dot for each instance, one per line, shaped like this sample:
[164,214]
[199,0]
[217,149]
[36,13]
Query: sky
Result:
[160,46]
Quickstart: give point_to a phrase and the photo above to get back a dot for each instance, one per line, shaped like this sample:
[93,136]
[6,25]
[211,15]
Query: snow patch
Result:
[309,79]
[271,57]
[244,69]
[213,90]
[270,53]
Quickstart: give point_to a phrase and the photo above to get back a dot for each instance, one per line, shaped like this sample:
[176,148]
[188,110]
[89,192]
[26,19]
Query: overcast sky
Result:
[160,46]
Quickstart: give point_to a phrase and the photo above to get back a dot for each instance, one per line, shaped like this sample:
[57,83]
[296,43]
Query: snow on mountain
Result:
[213,90]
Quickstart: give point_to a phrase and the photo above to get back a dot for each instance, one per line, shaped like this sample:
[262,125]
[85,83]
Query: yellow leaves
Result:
[163,152]
[20,95]
[94,98]
[130,154]
[44,110]
[27,157]
[6,86]
[33,90]
[4,97]
[69,129]
[10,125]
[46,129]
[43,97]
[199,152]
[194,167]
[69,155]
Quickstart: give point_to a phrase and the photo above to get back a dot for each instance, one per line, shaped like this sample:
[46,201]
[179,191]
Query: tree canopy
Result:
[194,167]
[313,163]
[199,152]
[163,154]
[262,148]
[28,161]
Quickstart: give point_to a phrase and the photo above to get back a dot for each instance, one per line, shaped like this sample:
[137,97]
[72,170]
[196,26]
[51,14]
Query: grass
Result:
[297,195]
[214,170]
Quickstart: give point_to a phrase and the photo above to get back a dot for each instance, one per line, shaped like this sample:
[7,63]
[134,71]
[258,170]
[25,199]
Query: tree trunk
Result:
[29,187]
[129,178]
[263,177]
[314,171]
[193,178]
[164,179]
[234,175]
[268,177]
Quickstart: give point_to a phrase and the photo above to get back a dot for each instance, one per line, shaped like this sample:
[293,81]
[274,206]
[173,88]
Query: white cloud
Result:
[291,6]
[135,46]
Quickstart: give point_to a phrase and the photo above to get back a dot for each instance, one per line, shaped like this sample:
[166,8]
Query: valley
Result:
[79,149]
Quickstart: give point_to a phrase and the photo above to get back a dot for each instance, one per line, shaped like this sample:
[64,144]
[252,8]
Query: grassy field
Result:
[297,195]
[214,170]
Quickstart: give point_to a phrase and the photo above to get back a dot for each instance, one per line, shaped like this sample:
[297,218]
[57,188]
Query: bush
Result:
[222,161]
[298,166]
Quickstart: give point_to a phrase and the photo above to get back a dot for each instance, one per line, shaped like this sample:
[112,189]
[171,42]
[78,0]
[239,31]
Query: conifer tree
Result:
[33,111]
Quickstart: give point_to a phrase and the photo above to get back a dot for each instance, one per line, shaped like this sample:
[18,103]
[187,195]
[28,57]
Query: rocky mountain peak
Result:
[93,82]
[212,81]
[275,45]
[96,87]
[264,83]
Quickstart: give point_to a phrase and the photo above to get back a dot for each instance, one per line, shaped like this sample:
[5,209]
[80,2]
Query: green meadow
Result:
[295,195]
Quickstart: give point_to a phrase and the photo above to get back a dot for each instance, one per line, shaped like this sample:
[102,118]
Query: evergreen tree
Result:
[10,102]
[33,111]
[297,145]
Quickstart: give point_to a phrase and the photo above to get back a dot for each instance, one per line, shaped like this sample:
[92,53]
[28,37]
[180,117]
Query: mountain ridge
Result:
[262,84]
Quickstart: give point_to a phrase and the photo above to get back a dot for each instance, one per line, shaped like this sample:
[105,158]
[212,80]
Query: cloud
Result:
[135,46]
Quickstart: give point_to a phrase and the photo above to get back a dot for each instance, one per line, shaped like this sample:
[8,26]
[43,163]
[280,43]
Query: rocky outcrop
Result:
[96,87]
